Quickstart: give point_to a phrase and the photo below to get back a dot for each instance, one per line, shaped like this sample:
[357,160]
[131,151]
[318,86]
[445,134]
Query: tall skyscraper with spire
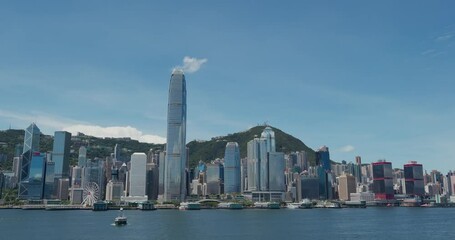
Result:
[175,161]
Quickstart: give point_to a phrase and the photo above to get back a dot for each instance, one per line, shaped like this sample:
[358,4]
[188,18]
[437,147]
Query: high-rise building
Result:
[176,160]
[36,179]
[82,159]
[382,180]
[232,168]
[61,153]
[49,185]
[117,150]
[323,158]
[114,191]
[265,168]
[413,175]
[214,178]
[138,175]
[276,172]
[31,145]
[346,186]
[309,187]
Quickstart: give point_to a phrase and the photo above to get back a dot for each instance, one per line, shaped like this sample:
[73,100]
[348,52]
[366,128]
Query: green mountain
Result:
[103,147]
[214,148]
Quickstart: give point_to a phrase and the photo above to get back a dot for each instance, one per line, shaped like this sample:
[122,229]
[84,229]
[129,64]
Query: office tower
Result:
[302,160]
[82,159]
[323,158]
[382,180]
[452,184]
[161,175]
[63,185]
[243,174]
[254,161]
[76,191]
[358,169]
[117,150]
[31,145]
[276,172]
[346,186]
[36,179]
[152,181]
[16,166]
[49,185]
[176,160]
[214,178]
[269,136]
[232,168]
[61,153]
[138,175]
[114,191]
[309,187]
[413,175]
[325,184]
[265,168]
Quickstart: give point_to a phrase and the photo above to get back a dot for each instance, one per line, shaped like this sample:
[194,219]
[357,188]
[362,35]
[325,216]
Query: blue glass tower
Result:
[61,154]
[232,168]
[175,162]
[31,145]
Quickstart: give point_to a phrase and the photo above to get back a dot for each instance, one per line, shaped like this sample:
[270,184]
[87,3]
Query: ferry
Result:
[189,206]
[293,205]
[120,220]
[230,205]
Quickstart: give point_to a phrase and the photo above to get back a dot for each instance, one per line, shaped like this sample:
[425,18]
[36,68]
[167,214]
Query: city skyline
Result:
[371,84]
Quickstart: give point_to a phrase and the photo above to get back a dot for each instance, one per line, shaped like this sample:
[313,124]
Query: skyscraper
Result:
[265,168]
[232,168]
[382,180]
[61,153]
[175,162]
[138,174]
[346,186]
[82,159]
[413,174]
[31,145]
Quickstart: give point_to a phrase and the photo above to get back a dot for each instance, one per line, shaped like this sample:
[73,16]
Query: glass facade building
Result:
[61,153]
[232,168]
[138,174]
[383,180]
[323,158]
[36,177]
[82,159]
[175,161]
[214,179]
[31,145]
[265,166]
[413,174]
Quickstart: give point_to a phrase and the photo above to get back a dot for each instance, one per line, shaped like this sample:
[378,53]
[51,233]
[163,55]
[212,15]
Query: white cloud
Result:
[444,37]
[48,124]
[114,132]
[347,148]
[191,65]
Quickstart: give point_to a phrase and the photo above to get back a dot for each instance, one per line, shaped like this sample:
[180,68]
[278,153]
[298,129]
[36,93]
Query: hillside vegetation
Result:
[103,147]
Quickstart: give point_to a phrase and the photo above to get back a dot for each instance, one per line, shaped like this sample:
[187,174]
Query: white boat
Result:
[120,220]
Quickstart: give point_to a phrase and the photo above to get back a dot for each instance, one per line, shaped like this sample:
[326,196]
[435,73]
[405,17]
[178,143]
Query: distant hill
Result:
[102,147]
[214,148]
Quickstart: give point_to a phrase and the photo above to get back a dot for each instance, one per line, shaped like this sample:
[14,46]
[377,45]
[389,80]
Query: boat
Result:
[120,220]
[190,206]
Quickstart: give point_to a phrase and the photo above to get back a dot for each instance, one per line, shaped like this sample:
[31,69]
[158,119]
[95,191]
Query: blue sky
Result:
[363,78]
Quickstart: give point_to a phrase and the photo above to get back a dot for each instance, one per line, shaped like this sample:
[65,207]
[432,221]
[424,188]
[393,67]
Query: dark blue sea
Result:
[370,223]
